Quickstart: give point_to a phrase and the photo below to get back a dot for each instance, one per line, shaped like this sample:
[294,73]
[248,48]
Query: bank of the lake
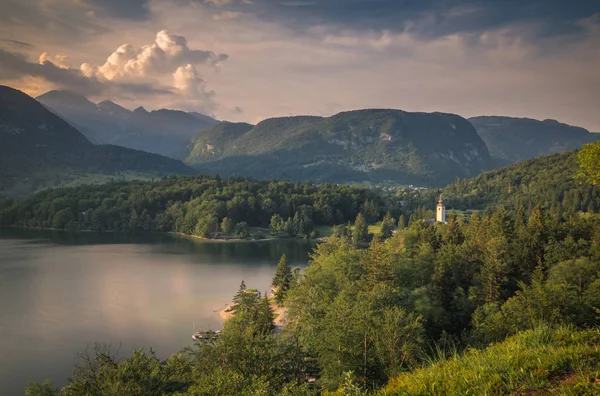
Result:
[62,291]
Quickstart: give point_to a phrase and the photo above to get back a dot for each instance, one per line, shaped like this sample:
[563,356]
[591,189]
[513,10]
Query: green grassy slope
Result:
[539,362]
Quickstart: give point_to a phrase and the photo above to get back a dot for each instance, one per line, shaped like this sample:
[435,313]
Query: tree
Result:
[282,279]
[361,230]
[588,159]
[371,211]
[227,226]
[242,230]
[277,225]
[387,225]
[237,299]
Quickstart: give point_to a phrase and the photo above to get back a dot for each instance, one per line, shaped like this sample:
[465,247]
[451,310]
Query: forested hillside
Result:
[547,181]
[358,317]
[37,148]
[354,146]
[518,139]
[199,205]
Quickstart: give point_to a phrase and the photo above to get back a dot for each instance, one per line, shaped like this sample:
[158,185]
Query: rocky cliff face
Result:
[363,145]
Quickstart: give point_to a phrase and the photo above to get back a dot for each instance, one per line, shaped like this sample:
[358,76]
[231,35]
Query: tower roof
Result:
[441,201]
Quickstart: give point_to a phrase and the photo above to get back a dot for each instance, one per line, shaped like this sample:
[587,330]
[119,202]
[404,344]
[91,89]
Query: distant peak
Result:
[63,95]
[109,105]
[140,110]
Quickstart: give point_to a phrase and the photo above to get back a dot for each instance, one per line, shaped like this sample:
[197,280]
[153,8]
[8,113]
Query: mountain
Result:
[518,139]
[363,145]
[164,132]
[37,147]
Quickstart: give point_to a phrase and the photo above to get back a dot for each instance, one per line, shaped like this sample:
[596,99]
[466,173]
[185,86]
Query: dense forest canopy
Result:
[550,182]
[197,205]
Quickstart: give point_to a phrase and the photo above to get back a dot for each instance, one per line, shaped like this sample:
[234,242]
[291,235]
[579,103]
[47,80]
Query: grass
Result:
[544,361]
[324,231]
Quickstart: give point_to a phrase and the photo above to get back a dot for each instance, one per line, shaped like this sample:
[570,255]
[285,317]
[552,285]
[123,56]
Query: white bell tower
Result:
[441,211]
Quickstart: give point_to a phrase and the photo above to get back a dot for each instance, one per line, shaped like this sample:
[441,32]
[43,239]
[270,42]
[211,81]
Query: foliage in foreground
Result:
[539,361]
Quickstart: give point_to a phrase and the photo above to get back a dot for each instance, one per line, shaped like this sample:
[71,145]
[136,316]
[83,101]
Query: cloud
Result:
[227,16]
[168,60]
[61,61]
[192,88]
[14,66]
[218,3]
[165,55]
[16,43]
[125,9]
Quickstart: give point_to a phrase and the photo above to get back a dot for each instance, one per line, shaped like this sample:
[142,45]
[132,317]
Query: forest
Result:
[360,318]
[501,302]
[194,205]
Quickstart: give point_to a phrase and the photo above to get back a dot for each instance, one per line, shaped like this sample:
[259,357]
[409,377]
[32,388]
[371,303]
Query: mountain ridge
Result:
[37,146]
[161,131]
[516,139]
[352,146]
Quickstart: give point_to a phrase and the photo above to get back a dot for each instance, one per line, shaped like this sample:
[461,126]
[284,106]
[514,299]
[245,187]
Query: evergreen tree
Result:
[387,226]
[282,279]
[360,233]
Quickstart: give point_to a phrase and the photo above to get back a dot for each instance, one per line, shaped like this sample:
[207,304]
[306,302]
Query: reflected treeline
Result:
[296,250]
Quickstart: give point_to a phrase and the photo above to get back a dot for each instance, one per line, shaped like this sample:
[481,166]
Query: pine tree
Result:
[387,226]
[361,229]
[282,279]
[264,316]
[239,296]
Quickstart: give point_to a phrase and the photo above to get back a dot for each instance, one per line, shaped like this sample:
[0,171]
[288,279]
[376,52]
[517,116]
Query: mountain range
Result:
[365,145]
[373,145]
[163,131]
[37,146]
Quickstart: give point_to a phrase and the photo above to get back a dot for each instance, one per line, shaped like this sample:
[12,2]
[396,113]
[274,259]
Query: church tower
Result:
[441,211]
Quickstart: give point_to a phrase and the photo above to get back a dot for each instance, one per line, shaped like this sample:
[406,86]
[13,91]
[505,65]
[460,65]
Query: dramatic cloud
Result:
[193,88]
[165,55]
[168,57]
[531,58]
[14,66]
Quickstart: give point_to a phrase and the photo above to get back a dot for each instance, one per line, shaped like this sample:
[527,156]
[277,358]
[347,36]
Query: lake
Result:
[61,292]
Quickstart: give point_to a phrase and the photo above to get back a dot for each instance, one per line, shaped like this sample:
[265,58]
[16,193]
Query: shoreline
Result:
[179,234]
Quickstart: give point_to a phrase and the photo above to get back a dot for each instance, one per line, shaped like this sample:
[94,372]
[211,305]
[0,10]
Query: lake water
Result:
[61,292]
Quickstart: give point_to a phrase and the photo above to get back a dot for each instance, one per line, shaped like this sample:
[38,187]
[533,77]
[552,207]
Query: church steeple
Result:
[441,211]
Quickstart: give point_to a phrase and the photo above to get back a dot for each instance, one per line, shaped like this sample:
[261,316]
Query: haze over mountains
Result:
[374,145]
[164,132]
[37,146]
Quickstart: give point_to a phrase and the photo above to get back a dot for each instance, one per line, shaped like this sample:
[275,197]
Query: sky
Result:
[247,60]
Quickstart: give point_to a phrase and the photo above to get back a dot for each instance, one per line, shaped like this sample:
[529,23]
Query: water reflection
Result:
[60,291]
